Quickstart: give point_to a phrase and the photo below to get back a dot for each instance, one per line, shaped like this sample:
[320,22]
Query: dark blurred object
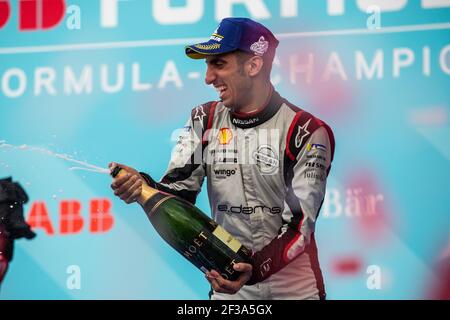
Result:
[443,289]
[439,288]
[12,221]
[6,251]
[12,199]
[6,244]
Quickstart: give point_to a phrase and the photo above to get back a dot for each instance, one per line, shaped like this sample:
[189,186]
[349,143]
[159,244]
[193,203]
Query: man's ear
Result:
[254,65]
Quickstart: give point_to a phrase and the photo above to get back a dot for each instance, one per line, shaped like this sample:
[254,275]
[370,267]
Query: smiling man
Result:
[266,161]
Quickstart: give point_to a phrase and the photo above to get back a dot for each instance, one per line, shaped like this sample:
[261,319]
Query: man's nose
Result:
[210,76]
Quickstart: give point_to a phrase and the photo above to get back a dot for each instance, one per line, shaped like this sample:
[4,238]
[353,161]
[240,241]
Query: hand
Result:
[129,186]
[221,285]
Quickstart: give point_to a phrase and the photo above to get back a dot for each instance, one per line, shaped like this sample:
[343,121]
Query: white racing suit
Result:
[266,183]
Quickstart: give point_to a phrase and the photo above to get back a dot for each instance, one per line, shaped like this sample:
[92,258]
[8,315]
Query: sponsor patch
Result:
[199,114]
[317,165]
[222,156]
[302,133]
[225,136]
[314,175]
[248,210]
[245,122]
[264,268]
[266,159]
[224,173]
[318,146]
[260,47]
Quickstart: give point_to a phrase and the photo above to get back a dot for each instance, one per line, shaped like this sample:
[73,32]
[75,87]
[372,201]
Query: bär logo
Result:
[34,14]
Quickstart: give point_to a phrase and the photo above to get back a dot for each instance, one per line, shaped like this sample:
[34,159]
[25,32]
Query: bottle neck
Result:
[146,193]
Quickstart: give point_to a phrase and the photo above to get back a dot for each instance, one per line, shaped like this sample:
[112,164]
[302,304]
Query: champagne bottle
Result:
[192,233]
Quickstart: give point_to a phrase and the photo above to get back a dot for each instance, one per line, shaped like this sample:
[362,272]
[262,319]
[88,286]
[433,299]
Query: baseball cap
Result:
[235,34]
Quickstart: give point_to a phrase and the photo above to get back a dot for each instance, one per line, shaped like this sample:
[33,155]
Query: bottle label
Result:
[227,238]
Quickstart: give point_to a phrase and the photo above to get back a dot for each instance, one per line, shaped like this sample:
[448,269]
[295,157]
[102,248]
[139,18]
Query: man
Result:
[266,162]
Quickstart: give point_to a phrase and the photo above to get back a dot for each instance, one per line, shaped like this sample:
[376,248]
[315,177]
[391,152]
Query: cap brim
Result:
[201,50]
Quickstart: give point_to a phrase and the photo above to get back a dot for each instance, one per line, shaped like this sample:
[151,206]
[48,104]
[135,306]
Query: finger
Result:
[221,285]
[243,267]
[112,165]
[209,277]
[219,277]
[231,286]
[236,285]
[216,287]
[126,168]
[246,272]
[228,285]
[119,181]
[136,194]
[136,191]
[132,188]
[123,188]
[214,274]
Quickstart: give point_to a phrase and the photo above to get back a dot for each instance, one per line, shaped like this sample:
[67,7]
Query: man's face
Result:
[229,78]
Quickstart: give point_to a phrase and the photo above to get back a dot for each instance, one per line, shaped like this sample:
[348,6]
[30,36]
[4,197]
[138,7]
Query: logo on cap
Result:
[260,47]
[213,46]
[215,36]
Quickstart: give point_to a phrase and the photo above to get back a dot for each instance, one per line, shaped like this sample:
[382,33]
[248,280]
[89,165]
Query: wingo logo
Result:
[224,173]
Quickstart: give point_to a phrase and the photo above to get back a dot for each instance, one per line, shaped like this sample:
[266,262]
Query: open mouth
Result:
[221,90]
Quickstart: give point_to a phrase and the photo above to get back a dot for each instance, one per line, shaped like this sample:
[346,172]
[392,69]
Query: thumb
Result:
[112,165]
[243,267]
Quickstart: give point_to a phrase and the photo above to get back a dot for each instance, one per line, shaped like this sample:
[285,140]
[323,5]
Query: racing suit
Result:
[266,183]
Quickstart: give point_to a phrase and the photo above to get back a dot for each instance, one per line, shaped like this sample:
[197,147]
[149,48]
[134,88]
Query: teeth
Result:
[221,88]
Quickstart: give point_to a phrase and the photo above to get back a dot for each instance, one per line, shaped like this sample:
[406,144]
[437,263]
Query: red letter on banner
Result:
[70,219]
[43,14]
[5,11]
[52,13]
[38,217]
[100,216]
[27,15]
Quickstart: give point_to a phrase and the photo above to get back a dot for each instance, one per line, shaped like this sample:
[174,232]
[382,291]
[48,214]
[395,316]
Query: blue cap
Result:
[235,34]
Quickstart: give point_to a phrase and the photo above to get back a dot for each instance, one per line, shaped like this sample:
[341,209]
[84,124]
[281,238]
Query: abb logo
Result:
[34,14]
[70,219]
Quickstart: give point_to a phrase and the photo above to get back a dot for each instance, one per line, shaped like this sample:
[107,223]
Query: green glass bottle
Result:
[191,232]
